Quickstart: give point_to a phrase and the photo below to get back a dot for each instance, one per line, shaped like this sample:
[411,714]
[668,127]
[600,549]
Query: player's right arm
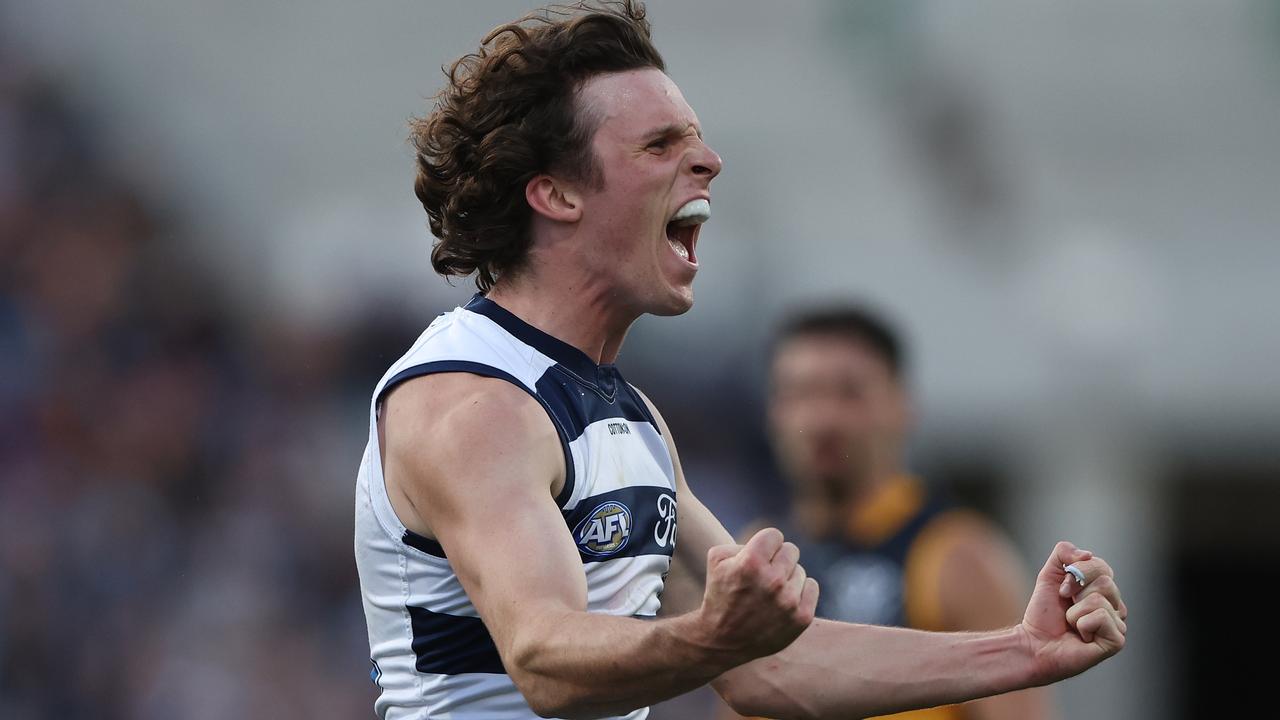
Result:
[476,460]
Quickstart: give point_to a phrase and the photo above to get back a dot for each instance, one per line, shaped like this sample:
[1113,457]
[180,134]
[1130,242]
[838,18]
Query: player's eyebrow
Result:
[671,129]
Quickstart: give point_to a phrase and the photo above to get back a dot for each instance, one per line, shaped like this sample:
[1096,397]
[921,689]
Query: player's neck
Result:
[884,465]
[576,311]
[885,513]
[871,484]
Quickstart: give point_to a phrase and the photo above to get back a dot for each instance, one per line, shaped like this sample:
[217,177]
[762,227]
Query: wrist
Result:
[1032,671]
[696,636]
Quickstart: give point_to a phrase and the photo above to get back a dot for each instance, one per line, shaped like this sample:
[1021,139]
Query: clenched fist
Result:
[1073,624]
[758,597]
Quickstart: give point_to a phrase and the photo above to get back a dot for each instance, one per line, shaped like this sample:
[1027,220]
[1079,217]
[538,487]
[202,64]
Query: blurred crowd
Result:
[175,479]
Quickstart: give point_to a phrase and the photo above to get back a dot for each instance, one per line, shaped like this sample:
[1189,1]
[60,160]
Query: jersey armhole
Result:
[426,544]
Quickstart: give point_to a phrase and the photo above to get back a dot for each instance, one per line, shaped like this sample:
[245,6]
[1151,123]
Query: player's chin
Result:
[675,308]
[678,300]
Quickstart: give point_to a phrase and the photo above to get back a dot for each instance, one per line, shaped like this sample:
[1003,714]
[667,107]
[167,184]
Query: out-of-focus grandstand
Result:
[209,251]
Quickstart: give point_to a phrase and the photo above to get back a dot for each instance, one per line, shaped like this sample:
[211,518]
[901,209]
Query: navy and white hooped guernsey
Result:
[432,656]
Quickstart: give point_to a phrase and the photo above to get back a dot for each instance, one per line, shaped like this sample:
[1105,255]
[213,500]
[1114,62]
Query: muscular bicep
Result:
[477,458]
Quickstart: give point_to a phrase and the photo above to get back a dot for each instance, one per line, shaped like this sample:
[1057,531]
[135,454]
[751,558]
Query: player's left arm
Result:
[840,669]
[698,530]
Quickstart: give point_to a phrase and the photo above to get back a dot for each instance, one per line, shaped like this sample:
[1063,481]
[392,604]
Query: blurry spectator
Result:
[884,550]
[170,505]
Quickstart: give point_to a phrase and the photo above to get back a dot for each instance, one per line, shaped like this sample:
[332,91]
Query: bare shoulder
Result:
[448,435]
[444,413]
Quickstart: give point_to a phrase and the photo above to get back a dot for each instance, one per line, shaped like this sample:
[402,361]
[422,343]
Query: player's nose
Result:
[704,162]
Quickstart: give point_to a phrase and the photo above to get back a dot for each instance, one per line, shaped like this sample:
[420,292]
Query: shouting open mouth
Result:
[682,229]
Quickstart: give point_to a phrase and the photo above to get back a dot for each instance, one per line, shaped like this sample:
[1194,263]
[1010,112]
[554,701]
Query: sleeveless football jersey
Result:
[432,654]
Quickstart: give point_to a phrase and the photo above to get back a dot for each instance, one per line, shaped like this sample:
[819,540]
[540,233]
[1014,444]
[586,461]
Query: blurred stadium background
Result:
[210,250]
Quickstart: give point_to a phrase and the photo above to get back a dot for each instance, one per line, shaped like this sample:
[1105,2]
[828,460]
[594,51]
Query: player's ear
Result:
[553,199]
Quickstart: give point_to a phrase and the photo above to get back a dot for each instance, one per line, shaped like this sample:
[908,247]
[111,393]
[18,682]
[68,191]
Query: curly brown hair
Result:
[507,114]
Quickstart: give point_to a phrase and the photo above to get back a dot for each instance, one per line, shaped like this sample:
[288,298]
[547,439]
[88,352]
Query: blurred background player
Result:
[885,550]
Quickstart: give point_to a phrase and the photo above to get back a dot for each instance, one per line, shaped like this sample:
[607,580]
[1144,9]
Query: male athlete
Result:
[516,525]
[884,549]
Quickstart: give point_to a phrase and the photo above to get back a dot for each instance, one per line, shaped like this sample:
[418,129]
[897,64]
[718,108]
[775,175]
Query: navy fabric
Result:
[634,395]
[652,521]
[452,644]
[824,556]
[425,544]
[576,406]
[571,360]
[579,390]
[651,524]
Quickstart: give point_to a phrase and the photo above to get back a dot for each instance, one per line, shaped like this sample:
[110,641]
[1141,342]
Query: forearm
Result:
[585,664]
[839,670]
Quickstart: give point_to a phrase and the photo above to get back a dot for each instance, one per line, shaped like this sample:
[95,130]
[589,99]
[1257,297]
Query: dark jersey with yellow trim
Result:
[867,582]
[886,568]
[887,574]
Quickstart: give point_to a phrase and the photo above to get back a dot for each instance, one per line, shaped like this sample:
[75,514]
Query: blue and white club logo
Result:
[605,531]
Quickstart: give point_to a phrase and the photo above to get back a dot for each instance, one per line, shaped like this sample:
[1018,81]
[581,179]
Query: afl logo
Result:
[605,531]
